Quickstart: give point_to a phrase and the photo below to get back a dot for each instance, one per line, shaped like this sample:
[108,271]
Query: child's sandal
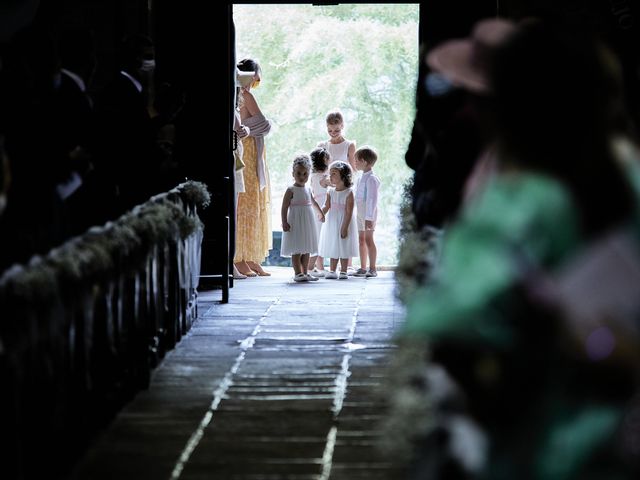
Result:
[300,277]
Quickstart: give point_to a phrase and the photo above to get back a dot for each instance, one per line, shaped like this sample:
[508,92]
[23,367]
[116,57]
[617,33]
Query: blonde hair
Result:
[334,117]
[367,154]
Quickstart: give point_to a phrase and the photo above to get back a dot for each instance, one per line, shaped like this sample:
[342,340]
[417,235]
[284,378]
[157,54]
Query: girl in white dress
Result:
[341,150]
[299,232]
[320,159]
[339,235]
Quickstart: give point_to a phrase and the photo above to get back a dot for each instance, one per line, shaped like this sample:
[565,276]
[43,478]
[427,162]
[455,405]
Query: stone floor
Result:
[280,383]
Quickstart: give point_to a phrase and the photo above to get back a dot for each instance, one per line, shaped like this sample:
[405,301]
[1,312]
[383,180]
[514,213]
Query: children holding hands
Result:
[320,159]
[338,238]
[346,220]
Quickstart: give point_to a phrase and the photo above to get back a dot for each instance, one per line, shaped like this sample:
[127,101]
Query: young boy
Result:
[367,208]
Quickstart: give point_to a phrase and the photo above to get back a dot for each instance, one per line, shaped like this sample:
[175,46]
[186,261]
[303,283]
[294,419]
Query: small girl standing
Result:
[320,159]
[299,232]
[339,236]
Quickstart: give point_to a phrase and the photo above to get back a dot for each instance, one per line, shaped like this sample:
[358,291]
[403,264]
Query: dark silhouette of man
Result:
[129,155]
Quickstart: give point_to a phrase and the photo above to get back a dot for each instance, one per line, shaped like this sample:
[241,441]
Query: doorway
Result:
[361,59]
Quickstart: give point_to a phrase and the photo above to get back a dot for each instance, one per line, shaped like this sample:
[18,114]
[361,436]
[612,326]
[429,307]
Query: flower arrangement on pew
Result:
[196,193]
[99,252]
[418,250]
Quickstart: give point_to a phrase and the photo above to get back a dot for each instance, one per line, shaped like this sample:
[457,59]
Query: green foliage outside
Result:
[362,59]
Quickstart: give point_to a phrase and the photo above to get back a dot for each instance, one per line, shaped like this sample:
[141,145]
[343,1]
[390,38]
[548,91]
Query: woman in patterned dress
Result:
[253,235]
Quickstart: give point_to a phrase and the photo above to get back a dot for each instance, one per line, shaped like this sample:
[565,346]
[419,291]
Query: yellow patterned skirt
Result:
[254,238]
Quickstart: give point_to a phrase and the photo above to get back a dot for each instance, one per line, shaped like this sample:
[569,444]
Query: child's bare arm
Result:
[327,204]
[286,201]
[371,202]
[317,207]
[325,182]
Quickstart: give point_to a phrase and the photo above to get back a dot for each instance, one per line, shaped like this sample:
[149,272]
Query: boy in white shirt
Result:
[367,210]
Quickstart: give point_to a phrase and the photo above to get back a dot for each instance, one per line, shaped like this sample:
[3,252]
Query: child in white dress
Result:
[299,232]
[341,150]
[320,159]
[339,235]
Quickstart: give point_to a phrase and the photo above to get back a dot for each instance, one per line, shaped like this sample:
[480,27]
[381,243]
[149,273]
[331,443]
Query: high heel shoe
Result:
[258,269]
[244,269]
[236,273]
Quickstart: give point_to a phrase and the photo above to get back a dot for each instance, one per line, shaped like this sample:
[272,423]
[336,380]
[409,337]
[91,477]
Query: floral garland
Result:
[103,251]
[410,411]
[410,414]
[31,285]
[418,252]
[195,192]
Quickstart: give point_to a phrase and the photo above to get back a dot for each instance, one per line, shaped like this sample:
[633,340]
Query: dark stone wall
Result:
[617,22]
[193,52]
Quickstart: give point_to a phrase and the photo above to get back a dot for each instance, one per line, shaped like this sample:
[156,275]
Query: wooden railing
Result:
[82,327]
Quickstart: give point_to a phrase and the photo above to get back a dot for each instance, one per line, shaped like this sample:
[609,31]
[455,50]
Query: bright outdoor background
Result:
[362,59]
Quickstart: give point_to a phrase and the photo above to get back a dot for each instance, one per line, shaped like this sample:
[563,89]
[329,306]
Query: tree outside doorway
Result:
[362,59]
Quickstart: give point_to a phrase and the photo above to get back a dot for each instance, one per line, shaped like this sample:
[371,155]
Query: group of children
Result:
[344,221]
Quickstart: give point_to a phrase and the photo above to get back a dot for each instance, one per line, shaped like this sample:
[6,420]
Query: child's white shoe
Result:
[351,271]
[318,273]
[343,276]
[331,275]
[372,273]
[300,277]
[311,278]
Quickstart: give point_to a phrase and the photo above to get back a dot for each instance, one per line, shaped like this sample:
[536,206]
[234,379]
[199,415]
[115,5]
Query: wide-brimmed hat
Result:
[465,61]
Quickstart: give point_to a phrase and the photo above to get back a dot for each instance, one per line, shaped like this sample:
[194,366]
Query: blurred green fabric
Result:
[518,213]
[562,425]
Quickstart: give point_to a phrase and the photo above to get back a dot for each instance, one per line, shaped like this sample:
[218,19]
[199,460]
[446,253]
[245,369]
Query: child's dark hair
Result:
[248,65]
[318,159]
[367,154]
[345,172]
